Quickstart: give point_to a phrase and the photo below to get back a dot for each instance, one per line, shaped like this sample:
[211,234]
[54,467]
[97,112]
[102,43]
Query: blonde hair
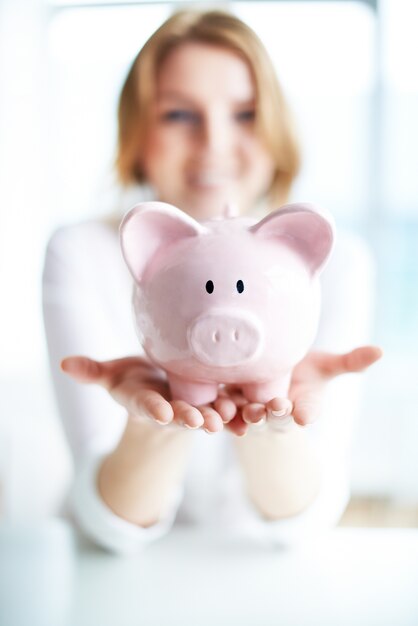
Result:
[220,29]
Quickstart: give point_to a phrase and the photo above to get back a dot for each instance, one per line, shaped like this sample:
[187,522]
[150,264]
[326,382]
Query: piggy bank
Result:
[228,300]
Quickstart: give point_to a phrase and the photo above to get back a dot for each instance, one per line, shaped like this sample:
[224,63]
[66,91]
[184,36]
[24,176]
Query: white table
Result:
[353,577]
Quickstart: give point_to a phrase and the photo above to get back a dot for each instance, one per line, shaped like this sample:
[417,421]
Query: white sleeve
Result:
[87,311]
[99,523]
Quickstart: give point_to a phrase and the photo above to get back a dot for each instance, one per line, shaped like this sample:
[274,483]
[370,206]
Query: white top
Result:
[87,311]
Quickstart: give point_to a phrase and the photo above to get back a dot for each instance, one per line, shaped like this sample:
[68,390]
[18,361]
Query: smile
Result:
[210,180]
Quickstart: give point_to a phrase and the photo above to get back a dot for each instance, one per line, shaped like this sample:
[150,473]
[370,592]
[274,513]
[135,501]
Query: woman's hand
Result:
[306,390]
[312,374]
[143,390]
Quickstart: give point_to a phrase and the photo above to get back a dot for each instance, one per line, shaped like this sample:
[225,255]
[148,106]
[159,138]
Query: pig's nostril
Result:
[235,336]
[215,337]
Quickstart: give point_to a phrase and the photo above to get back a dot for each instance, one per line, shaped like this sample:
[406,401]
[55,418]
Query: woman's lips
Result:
[210,180]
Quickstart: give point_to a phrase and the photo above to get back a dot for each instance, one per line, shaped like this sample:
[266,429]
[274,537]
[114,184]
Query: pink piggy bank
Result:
[228,300]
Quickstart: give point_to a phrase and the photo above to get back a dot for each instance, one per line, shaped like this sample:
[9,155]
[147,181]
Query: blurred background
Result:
[349,69]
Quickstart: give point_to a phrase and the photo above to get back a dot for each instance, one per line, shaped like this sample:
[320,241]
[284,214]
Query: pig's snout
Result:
[225,338]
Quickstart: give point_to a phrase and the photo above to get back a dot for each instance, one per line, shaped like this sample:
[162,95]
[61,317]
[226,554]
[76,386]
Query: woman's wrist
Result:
[138,479]
[281,470]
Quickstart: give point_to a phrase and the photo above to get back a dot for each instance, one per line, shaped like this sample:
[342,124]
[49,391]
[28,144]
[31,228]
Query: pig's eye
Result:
[209,286]
[240,286]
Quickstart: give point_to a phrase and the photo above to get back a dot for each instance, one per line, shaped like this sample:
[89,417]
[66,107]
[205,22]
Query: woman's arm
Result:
[128,470]
[138,478]
[281,466]
[282,470]
[86,300]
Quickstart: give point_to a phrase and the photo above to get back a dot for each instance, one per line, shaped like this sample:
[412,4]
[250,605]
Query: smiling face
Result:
[202,149]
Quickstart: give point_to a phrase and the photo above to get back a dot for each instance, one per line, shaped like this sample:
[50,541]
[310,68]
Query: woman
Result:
[202,122]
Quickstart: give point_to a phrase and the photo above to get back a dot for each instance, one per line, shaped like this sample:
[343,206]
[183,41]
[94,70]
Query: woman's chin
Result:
[208,205]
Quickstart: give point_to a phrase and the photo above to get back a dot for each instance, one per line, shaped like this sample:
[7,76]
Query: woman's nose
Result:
[216,137]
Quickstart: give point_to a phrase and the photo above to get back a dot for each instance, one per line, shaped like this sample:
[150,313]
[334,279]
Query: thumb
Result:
[82,369]
[359,359]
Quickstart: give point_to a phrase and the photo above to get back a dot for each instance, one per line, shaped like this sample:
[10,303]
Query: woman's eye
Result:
[179,115]
[245,116]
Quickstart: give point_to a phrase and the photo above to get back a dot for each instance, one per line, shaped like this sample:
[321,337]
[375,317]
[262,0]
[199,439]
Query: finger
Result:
[361,358]
[226,408]
[279,411]
[82,369]
[279,407]
[152,404]
[109,373]
[307,406]
[186,415]
[237,426]
[253,413]
[213,421]
[355,361]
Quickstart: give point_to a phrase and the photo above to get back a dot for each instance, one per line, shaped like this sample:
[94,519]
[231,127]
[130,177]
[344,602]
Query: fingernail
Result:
[262,418]
[259,424]
[279,413]
[161,422]
[210,432]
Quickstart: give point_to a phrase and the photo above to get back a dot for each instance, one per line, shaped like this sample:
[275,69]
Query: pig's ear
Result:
[149,227]
[304,228]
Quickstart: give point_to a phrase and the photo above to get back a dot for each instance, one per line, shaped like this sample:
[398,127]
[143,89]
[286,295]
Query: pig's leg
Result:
[264,392]
[195,393]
